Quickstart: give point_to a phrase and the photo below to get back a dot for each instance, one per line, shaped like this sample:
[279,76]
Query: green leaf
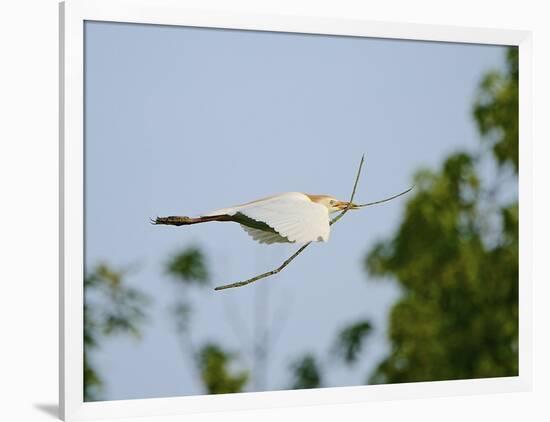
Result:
[214,363]
[306,373]
[189,266]
[350,340]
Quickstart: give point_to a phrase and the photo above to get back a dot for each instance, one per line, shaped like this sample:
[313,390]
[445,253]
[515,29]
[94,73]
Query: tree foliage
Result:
[214,364]
[189,266]
[455,256]
[351,339]
[306,373]
[111,307]
[496,110]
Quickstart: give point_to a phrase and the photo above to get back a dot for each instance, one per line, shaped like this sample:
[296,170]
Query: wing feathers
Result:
[263,236]
[293,216]
[297,220]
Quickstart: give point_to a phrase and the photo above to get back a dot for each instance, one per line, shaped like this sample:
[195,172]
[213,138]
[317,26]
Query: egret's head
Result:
[332,204]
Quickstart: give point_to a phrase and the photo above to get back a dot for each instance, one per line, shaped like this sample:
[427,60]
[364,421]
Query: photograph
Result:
[268,211]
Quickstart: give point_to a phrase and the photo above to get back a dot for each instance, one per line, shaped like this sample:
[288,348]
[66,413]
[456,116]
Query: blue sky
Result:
[181,121]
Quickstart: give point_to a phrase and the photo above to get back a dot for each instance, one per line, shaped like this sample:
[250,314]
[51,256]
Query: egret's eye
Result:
[332,202]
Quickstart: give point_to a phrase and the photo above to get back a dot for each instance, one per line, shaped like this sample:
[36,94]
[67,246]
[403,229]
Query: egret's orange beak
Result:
[342,205]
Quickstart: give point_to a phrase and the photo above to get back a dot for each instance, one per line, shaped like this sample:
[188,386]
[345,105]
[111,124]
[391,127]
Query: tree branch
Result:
[368,204]
[299,251]
[350,203]
[267,274]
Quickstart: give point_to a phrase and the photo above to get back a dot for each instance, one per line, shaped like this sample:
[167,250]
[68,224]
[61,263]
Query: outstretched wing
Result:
[292,216]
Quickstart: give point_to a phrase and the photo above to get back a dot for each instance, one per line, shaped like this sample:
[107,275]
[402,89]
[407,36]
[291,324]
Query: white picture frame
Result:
[73,14]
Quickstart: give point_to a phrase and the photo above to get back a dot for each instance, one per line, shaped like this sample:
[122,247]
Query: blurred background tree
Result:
[351,339]
[455,255]
[306,373]
[496,110]
[214,363]
[189,267]
[218,369]
[111,307]
[210,363]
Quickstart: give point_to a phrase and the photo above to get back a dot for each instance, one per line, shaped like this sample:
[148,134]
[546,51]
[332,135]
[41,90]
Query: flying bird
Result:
[291,217]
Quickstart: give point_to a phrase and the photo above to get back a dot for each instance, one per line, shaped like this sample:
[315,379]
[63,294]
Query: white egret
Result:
[291,217]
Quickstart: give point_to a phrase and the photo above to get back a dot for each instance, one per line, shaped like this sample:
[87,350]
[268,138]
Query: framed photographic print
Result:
[267,210]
